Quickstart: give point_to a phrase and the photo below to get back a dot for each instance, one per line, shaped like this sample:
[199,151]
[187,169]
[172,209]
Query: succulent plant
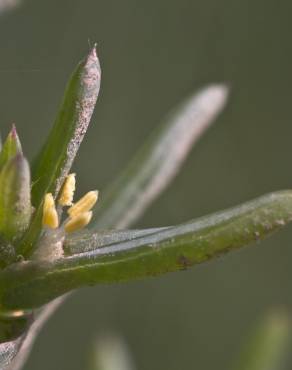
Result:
[52,245]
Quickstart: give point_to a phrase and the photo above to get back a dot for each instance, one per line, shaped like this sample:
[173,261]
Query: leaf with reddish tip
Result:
[55,159]
[15,206]
[11,147]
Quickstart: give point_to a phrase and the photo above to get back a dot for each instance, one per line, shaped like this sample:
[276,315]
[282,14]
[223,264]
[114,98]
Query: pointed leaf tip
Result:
[216,96]
[92,54]
[13,131]
[11,147]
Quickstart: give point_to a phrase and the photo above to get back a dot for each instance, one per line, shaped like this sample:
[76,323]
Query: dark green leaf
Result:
[159,160]
[56,158]
[31,284]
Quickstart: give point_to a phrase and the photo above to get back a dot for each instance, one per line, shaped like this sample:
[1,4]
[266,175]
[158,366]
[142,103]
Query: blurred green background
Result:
[153,53]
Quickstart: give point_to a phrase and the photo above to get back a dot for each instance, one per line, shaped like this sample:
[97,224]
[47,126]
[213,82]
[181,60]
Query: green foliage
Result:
[268,347]
[39,263]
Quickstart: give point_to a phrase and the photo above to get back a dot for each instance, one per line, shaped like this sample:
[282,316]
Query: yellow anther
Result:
[50,215]
[84,204]
[49,201]
[68,189]
[78,222]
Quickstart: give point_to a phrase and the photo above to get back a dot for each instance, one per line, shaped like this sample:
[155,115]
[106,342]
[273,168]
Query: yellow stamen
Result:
[68,190]
[49,201]
[78,222]
[84,204]
[50,215]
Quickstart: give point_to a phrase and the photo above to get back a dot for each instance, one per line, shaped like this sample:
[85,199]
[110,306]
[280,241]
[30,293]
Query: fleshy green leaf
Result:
[269,345]
[55,159]
[15,206]
[171,249]
[11,147]
[159,160]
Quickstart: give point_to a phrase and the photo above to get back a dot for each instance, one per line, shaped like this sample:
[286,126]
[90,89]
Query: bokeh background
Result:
[153,53]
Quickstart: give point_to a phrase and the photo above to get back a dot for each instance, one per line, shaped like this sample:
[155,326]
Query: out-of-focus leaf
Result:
[270,344]
[159,160]
[110,352]
[11,147]
[15,206]
[32,284]
[6,5]
[55,159]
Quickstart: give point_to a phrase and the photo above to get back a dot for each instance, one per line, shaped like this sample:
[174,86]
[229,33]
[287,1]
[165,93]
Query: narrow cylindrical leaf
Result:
[32,284]
[56,157]
[159,160]
[269,345]
[11,147]
[15,206]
